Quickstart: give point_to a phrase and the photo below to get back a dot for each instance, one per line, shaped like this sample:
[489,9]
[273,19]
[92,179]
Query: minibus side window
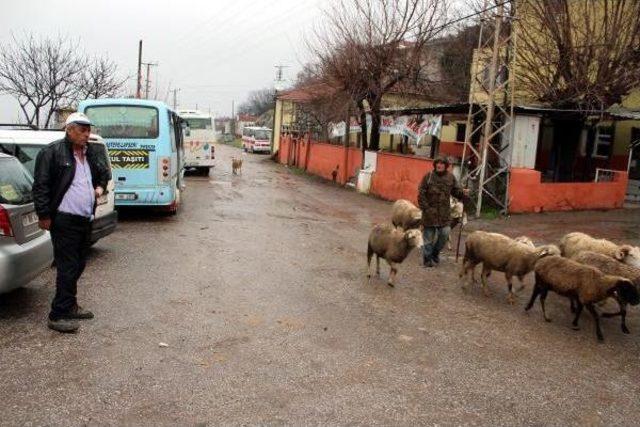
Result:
[172,132]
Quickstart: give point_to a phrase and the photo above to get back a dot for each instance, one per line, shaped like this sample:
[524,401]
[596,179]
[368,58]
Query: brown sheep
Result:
[583,284]
[392,244]
[501,253]
[406,215]
[574,243]
[612,267]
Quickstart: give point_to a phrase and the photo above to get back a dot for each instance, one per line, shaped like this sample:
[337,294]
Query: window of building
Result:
[603,142]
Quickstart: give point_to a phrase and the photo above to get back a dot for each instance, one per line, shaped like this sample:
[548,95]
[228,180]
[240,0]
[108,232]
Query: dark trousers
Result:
[434,240]
[70,235]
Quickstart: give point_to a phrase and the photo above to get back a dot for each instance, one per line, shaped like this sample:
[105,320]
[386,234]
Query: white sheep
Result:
[406,215]
[501,253]
[583,284]
[393,245]
[574,243]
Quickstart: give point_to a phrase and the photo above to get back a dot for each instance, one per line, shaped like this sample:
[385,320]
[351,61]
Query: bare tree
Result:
[369,48]
[63,64]
[258,102]
[23,75]
[99,79]
[581,55]
[321,105]
[48,73]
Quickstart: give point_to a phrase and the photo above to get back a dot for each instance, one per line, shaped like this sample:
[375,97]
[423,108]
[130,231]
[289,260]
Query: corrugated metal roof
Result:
[623,113]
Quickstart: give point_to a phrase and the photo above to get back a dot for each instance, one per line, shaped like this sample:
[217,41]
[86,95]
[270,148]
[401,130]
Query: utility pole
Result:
[139,84]
[233,117]
[175,98]
[277,85]
[280,72]
[148,82]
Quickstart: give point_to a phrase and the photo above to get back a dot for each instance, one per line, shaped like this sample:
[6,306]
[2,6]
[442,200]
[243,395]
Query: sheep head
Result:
[629,255]
[626,291]
[547,250]
[413,238]
[525,241]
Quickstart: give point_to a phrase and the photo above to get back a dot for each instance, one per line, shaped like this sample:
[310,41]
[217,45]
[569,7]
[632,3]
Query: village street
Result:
[258,289]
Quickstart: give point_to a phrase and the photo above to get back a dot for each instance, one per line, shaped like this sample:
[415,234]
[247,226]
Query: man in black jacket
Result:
[434,195]
[69,176]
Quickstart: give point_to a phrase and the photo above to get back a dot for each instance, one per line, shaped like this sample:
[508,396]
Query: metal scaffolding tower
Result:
[486,155]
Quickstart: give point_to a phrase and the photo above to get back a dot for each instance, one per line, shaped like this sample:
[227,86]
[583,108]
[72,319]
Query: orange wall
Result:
[320,158]
[397,176]
[528,194]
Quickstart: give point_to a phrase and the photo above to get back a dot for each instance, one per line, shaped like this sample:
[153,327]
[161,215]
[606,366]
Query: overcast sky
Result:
[214,51]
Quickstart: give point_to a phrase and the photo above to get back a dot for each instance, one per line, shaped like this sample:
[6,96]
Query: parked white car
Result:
[25,249]
[25,145]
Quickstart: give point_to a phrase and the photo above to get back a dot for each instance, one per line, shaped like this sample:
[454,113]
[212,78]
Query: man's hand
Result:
[44,224]
[99,191]
[466,192]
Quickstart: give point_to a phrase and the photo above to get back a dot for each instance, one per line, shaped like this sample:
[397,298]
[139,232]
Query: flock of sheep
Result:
[586,270]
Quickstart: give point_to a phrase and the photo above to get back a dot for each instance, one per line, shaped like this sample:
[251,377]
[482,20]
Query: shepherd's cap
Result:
[442,159]
[77,118]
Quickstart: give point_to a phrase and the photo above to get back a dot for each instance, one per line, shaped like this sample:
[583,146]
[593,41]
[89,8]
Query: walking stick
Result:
[459,238]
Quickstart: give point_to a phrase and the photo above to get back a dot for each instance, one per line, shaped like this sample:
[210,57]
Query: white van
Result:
[256,139]
[199,136]
[25,145]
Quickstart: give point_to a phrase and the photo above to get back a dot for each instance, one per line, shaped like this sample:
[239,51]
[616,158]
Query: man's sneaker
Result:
[428,264]
[67,326]
[80,313]
[436,258]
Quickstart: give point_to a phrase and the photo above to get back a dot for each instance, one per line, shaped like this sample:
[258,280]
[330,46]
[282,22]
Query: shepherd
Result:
[434,194]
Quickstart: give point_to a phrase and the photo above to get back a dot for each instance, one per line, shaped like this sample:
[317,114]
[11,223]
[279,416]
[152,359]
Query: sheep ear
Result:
[622,252]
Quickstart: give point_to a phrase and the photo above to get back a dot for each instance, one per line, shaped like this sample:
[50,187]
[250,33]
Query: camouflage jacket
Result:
[433,198]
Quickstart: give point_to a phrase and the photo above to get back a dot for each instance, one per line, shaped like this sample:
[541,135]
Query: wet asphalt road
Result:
[258,287]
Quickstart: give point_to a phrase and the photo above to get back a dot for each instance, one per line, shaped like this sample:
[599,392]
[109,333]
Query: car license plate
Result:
[126,196]
[29,219]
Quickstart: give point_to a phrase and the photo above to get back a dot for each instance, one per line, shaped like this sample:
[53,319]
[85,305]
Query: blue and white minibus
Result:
[145,143]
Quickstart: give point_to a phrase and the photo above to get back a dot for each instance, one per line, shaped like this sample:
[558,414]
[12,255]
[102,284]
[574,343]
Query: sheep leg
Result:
[521,287]
[534,295]
[392,274]
[511,297]
[596,319]
[543,297]
[483,277]
[623,314]
[464,271]
[578,311]
[377,266]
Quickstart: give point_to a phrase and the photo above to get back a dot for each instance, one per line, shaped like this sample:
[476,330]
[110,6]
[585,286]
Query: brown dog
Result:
[236,165]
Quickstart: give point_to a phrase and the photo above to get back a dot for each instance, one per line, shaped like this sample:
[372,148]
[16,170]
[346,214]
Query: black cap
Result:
[441,159]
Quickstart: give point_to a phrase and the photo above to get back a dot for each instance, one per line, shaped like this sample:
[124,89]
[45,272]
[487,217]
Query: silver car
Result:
[25,249]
